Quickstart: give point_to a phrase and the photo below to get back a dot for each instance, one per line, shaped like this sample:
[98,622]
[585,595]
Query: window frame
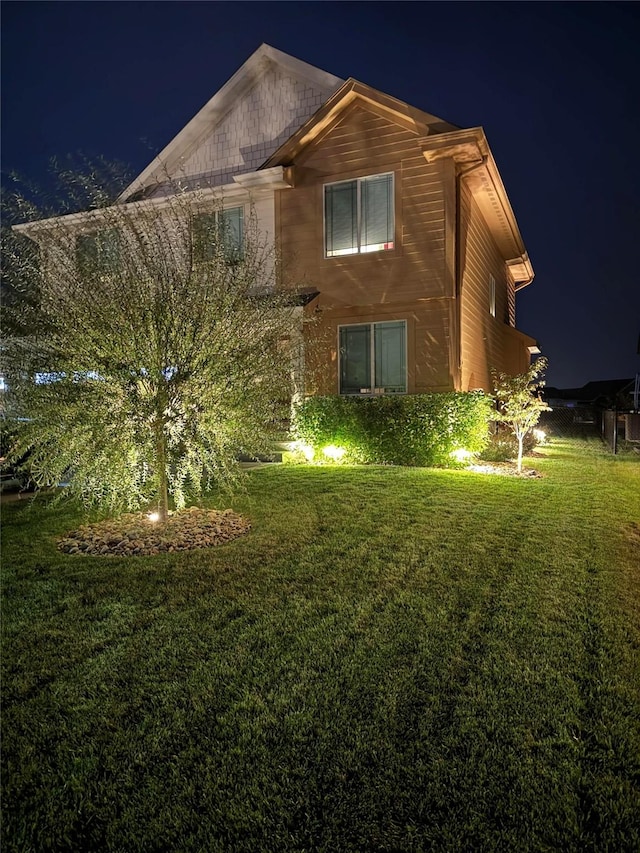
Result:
[237,254]
[98,252]
[373,391]
[358,181]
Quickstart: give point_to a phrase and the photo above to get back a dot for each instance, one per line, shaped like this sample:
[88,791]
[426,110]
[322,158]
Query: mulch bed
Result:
[134,535]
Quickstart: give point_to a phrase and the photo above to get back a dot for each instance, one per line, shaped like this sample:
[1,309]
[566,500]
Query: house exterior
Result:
[392,225]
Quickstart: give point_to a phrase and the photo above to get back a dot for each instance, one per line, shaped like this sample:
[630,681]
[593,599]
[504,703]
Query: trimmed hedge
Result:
[420,429]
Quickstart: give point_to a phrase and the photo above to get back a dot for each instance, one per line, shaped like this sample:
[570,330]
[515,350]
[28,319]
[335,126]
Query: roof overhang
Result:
[474,161]
[245,188]
[351,93]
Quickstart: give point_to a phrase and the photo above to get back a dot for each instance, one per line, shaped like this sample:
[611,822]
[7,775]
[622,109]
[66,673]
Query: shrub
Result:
[421,429]
[503,446]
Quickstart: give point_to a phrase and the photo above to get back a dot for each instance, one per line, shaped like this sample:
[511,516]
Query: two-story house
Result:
[394,224]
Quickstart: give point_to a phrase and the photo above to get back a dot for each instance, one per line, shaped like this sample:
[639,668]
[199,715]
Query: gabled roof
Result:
[438,139]
[219,105]
[350,92]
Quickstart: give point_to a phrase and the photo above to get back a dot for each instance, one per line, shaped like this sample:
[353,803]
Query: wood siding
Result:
[487,342]
[428,328]
[413,281]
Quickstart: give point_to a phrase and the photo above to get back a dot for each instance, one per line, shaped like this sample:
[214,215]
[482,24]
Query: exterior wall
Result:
[412,281]
[427,343]
[487,342]
[254,128]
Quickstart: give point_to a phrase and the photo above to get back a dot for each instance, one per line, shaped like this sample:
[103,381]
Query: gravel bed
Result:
[134,534]
[504,469]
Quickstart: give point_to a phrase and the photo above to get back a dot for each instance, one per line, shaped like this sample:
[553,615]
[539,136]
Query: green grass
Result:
[392,660]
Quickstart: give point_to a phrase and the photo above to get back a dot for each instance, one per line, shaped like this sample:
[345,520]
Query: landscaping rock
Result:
[133,534]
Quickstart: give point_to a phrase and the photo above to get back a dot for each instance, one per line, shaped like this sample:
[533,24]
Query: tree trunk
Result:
[161,461]
[520,451]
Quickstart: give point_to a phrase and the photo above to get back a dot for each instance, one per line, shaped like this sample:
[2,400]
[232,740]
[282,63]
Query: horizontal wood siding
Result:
[417,272]
[483,337]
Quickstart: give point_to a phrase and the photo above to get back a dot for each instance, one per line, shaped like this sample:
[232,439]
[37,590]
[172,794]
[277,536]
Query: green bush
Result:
[503,445]
[421,429]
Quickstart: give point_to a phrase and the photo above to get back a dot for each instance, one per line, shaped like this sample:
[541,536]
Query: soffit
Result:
[476,166]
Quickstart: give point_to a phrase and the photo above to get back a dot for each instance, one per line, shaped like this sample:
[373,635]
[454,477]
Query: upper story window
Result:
[358,216]
[223,228]
[373,358]
[492,295]
[98,252]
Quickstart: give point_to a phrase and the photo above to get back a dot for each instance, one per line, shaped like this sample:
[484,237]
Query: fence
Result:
[618,430]
[568,422]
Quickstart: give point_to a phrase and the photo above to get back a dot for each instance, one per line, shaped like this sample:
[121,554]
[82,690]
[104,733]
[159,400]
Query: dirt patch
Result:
[134,534]
[632,531]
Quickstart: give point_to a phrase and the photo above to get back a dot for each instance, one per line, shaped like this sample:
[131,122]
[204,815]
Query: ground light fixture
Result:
[333,452]
[461,455]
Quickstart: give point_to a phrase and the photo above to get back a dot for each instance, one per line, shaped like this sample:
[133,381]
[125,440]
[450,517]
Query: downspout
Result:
[458,256]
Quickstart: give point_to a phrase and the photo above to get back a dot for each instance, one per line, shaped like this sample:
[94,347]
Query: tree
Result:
[152,348]
[518,401]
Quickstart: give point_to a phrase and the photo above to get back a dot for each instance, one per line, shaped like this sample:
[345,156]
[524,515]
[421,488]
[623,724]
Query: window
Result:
[225,227]
[358,216]
[492,295]
[373,358]
[98,252]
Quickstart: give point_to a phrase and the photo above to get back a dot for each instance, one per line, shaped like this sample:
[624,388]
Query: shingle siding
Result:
[265,117]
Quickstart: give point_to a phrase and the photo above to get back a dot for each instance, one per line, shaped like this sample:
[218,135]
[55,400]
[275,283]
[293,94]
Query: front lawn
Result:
[391,660]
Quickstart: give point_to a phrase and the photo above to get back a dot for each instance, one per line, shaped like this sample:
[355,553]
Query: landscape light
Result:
[461,454]
[334,452]
[153,517]
[307,451]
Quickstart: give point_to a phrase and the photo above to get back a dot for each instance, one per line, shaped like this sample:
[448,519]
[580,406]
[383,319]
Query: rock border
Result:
[136,535]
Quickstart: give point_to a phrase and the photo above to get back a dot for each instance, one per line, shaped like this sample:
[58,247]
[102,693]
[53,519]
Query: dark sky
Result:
[556,87]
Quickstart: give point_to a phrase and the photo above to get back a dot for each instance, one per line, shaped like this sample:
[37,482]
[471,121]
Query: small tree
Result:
[519,403]
[151,351]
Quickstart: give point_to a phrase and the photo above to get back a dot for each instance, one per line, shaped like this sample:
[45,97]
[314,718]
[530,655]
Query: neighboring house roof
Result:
[602,391]
[259,107]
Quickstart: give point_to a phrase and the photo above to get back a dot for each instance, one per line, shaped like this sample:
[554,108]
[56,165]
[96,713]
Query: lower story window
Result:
[373,358]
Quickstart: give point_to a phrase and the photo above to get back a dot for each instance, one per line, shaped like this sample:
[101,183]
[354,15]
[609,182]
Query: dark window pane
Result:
[98,253]
[205,235]
[341,218]
[355,359]
[377,212]
[231,224]
[390,354]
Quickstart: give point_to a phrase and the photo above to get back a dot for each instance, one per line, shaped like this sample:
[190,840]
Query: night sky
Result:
[556,87]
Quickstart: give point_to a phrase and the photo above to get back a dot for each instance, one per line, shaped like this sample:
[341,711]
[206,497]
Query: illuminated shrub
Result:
[421,429]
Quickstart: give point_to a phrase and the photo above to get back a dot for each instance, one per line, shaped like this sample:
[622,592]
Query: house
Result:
[394,223]
[393,226]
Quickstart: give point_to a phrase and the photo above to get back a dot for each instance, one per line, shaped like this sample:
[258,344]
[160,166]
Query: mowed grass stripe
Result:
[391,660]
